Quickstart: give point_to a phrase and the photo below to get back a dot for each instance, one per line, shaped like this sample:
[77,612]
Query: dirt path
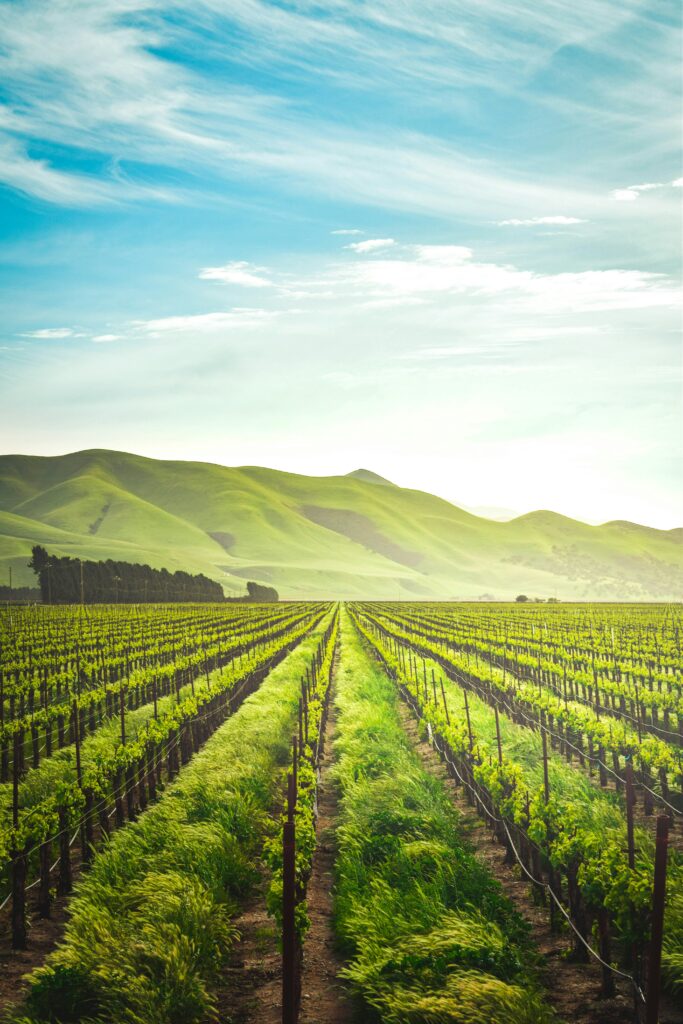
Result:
[323,999]
[572,988]
[251,989]
[251,985]
[44,934]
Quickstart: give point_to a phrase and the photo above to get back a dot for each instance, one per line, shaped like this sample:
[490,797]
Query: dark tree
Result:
[40,563]
[116,582]
[257,592]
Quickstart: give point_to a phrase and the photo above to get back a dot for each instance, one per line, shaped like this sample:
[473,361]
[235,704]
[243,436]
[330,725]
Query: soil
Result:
[251,987]
[251,982]
[572,988]
[43,936]
[324,999]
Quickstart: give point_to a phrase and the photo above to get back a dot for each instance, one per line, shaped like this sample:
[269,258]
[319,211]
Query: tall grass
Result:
[429,936]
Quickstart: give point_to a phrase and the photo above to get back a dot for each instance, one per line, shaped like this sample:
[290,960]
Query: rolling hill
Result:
[340,536]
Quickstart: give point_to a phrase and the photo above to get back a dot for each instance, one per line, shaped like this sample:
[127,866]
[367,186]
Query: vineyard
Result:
[329,813]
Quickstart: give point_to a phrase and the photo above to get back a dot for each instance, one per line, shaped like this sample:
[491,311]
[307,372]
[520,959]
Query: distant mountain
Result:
[370,478]
[339,536]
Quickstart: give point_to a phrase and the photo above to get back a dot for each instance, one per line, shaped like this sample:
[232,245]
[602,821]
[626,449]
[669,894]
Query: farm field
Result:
[396,812]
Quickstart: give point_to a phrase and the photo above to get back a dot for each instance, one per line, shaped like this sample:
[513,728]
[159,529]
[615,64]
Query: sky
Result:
[440,240]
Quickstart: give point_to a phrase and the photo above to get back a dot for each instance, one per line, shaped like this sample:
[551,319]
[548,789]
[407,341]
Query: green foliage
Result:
[339,536]
[582,828]
[306,798]
[150,924]
[428,934]
[672,950]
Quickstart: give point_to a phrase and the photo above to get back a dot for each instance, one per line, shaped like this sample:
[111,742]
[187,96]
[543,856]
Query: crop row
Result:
[119,780]
[80,702]
[569,832]
[426,931]
[152,921]
[531,698]
[636,644]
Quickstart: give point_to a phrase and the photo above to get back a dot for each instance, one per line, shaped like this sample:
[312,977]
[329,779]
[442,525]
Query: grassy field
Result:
[345,537]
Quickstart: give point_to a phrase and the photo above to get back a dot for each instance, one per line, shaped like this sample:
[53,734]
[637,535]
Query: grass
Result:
[587,812]
[151,923]
[429,937]
[380,537]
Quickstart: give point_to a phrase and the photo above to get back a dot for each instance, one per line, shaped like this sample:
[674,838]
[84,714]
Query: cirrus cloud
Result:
[49,333]
[632,192]
[238,272]
[533,221]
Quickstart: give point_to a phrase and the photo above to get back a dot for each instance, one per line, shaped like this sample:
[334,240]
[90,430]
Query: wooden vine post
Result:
[655,957]
[498,740]
[19,934]
[445,705]
[289,953]
[469,723]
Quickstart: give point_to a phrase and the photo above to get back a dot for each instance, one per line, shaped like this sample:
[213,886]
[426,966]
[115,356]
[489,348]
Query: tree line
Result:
[65,580]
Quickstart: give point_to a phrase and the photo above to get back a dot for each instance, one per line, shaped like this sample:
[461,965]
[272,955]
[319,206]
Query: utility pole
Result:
[80,562]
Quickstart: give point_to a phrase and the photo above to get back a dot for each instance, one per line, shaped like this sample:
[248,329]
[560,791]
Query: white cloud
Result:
[237,272]
[436,285]
[426,271]
[96,77]
[628,195]
[47,333]
[442,254]
[205,323]
[371,245]
[347,231]
[531,221]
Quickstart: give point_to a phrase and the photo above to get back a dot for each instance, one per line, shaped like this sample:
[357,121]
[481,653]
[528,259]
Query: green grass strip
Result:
[429,936]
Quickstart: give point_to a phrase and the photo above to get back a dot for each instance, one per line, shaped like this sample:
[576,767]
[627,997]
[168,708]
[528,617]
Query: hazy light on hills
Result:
[348,536]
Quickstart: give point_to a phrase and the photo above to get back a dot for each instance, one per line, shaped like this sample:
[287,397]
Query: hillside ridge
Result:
[343,536]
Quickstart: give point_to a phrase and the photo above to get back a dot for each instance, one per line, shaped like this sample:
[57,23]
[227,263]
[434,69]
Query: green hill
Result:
[339,536]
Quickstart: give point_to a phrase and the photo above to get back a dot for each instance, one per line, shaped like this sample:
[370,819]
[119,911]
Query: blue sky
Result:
[437,239]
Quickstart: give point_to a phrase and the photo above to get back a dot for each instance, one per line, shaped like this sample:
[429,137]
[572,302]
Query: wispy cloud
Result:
[347,231]
[49,333]
[631,193]
[533,221]
[206,323]
[451,270]
[94,79]
[371,245]
[429,282]
[237,272]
